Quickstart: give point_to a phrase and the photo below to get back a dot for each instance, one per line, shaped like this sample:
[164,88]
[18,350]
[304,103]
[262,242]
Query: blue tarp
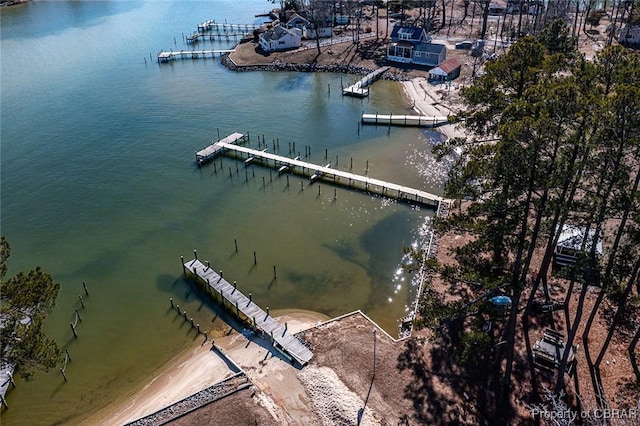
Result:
[501,300]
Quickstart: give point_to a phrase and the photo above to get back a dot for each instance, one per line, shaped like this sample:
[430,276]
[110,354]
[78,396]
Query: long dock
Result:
[164,57]
[212,25]
[261,320]
[405,120]
[359,89]
[195,37]
[319,172]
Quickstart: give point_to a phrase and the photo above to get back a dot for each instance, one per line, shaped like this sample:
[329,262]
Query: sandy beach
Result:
[198,368]
[434,100]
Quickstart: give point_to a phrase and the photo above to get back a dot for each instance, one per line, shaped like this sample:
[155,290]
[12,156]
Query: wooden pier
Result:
[164,57]
[317,172]
[359,89]
[211,25]
[211,151]
[195,37]
[247,310]
[405,120]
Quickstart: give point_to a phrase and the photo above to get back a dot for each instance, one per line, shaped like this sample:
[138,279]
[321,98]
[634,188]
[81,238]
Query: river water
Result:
[99,186]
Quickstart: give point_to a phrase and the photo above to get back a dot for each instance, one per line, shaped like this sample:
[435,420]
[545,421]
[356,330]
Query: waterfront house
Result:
[308,32]
[280,38]
[412,45]
[297,21]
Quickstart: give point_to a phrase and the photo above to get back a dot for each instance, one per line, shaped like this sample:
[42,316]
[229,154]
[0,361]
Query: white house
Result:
[297,21]
[280,38]
[310,33]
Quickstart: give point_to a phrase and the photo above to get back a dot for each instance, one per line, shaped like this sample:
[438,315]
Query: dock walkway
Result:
[405,120]
[260,319]
[211,151]
[195,37]
[212,25]
[359,89]
[164,57]
[389,189]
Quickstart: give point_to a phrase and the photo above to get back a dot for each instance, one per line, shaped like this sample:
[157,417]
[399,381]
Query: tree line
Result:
[564,150]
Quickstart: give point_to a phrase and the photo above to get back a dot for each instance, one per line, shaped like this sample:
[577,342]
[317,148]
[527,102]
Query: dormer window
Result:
[405,33]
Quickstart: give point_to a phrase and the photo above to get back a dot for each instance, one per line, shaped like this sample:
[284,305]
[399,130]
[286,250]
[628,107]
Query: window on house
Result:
[405,34]
[281,42]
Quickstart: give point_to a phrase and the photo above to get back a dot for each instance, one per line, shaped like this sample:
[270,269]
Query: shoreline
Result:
[195,369]
[421,95]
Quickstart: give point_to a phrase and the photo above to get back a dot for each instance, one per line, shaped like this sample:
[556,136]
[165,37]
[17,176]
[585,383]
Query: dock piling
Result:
[255,259]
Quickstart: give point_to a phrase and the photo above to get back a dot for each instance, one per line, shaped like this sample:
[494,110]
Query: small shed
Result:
[570,242]
[446,71]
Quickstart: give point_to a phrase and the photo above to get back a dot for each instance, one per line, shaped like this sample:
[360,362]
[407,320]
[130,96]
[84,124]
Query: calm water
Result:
[99,185]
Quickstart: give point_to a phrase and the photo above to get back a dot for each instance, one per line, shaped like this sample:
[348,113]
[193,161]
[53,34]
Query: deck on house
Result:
[359,89]
[326,172]
[261,320]
[405,120]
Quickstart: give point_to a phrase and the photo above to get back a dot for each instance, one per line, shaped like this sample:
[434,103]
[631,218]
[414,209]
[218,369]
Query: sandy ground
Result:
[432,100]
[199,367]
[338,386]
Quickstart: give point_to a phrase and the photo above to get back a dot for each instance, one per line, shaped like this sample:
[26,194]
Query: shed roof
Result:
[572,237]
[450,65]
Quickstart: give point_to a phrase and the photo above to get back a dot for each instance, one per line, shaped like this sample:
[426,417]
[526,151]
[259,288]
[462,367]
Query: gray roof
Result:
[276,33]
[414,32]
[430,47]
